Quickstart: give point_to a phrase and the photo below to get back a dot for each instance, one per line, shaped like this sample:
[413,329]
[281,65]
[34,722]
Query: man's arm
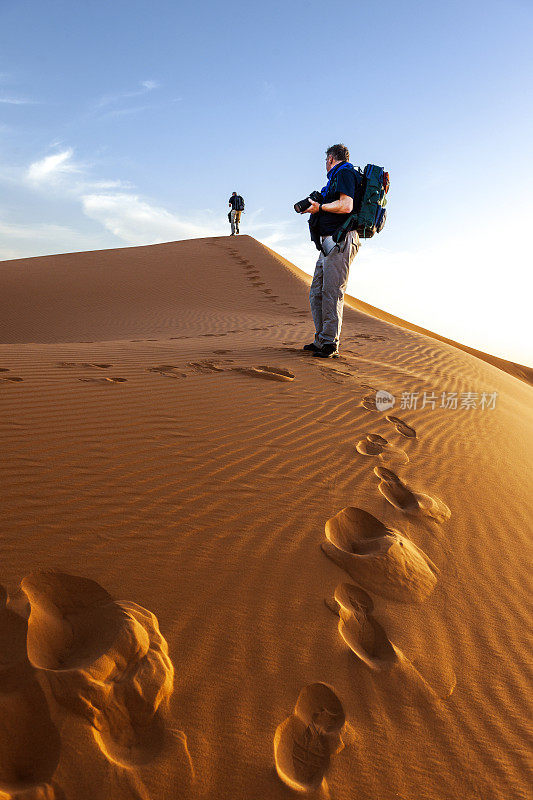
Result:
[344,205]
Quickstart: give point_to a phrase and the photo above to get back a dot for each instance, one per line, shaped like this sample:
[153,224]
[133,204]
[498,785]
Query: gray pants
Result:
[326,295]
[235,217]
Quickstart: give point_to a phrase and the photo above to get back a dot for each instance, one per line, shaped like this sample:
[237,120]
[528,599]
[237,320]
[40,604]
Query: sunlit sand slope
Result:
[199,521]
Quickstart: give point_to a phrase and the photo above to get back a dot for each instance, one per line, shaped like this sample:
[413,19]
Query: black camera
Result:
[303,205]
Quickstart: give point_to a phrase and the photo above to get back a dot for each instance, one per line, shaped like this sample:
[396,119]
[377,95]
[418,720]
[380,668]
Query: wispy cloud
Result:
[131,218]
[66,176]
[112,99]
[17,101]
[136,221]
[51,167]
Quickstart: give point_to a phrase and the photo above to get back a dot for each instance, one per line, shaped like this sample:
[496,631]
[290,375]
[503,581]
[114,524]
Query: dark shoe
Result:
[313,347]
[327,351]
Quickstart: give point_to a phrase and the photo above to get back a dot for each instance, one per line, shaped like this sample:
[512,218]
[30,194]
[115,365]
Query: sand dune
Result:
[175,472]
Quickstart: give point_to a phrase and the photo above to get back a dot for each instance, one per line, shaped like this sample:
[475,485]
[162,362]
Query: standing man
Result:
[326,296]
[237,207]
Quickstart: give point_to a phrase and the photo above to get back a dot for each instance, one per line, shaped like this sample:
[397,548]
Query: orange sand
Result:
[184,547]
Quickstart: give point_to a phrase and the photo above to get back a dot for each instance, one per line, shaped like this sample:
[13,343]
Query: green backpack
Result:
[370,215]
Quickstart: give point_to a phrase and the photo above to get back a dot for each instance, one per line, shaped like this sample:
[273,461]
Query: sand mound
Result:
[103,661]
[378,558]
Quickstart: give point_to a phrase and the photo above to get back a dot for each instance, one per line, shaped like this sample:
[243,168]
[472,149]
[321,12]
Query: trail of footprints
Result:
[201,367]
[254,277]
[381,560]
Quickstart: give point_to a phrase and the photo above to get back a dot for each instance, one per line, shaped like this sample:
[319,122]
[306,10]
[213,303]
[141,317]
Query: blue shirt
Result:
[342,180]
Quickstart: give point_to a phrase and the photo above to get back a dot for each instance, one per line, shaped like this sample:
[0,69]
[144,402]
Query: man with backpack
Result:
[237,207]
[326,295]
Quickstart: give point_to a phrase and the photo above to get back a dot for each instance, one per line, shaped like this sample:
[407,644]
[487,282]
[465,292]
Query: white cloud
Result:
[131,218]
[150,85]
[16,101]
[52,167]
[137,222]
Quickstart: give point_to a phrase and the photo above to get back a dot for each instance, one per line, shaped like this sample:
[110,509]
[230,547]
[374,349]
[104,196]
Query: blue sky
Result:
[128,123]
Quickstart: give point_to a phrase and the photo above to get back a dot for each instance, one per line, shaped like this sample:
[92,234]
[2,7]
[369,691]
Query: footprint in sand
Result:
[376,445]
[11,378]
[408,501]
[305,742]
[84,365]
[266,372]
[369,402]
[168,371]
[30,745]
[362,633]
[402,427]
[205,367]
[335,375]
[103,380]
[104,661]
[379,559]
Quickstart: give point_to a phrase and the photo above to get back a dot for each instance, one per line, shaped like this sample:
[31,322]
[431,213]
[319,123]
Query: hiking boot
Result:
[327,351]
[313,347]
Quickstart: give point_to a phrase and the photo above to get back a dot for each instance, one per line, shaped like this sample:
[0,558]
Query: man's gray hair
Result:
[339,152]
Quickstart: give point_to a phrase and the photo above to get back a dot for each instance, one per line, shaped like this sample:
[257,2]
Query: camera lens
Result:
[302,205]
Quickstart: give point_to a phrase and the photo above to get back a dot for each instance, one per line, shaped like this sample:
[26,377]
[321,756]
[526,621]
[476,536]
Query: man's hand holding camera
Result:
[314,208]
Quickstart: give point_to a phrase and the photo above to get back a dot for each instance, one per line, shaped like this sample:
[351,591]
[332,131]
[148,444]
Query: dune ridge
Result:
[166,441]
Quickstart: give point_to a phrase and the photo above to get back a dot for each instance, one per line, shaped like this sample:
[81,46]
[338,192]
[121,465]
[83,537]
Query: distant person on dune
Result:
[328,212]
[236,208]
